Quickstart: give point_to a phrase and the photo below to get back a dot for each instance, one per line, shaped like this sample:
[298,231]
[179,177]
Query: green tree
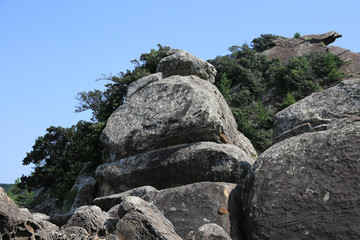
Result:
[59,156]
[265,41]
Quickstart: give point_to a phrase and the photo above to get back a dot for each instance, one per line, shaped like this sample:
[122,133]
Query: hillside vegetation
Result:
[255,87]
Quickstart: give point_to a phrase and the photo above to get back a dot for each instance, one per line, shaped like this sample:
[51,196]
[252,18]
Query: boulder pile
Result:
[176,167]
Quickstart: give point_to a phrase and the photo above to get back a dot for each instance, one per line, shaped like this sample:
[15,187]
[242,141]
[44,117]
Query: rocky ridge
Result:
[183,171]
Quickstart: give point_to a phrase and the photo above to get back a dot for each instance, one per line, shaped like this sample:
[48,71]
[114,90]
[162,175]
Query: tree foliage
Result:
[257,88]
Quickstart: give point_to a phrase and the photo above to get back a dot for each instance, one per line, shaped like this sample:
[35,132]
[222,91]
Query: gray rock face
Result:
[90,218]
[179,62]
[70,233]
[210,231]
[173,166]
[351,60]
[172,111]
[306,187]
[318,110]
[16,223]
[85,186]
[142,82]
[108,201]
[141,220]
[191,206]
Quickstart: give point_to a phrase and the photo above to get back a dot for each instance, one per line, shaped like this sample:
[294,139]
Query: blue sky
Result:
[51,50]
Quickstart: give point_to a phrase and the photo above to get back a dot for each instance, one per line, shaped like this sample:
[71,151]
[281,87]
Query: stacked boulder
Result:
[176,135]
[306,186]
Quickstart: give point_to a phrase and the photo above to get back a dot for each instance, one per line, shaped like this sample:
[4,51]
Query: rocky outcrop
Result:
[285,49]
[179,62]
[210,231]
[317,111]
[305,187]
[142,220]
[17,224]
[86,189]
[172,166]
[168,112]
[191,206]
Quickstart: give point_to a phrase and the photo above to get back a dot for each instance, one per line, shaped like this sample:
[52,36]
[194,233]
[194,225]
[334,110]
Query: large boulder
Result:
[305,187]
[142,220]
[173,166]
[171,111]
[179,62]
[16,223]
[191,206]
[318,110]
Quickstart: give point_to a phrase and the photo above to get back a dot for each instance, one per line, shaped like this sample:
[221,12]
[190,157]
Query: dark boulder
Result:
[305,187]
[191,206]
[173,166]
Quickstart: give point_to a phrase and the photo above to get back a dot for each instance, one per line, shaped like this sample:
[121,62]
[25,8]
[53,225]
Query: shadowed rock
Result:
[305,187]
[173,166]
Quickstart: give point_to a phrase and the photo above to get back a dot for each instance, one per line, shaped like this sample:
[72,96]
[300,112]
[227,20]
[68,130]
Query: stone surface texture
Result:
[109,201]
[86,187]
[210,231]
[173,166]
[142,220]
[305,187]
[172,111]
[191,206]
[318,110]
[16,223]
[179,62]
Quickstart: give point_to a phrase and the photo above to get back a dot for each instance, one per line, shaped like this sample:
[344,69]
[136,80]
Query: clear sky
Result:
[51,50]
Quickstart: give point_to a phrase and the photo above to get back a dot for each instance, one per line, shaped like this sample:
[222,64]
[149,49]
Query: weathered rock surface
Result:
[210,231]
[179,62]
[44,221]
[173,166]
[90,218]
[351,60]
[17,224]
[318,110]
[306,187]
[191,206]
[141,220]
[142,82]
[293,47]
[172,111]
[73,233]
[86,188]
[107,202]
